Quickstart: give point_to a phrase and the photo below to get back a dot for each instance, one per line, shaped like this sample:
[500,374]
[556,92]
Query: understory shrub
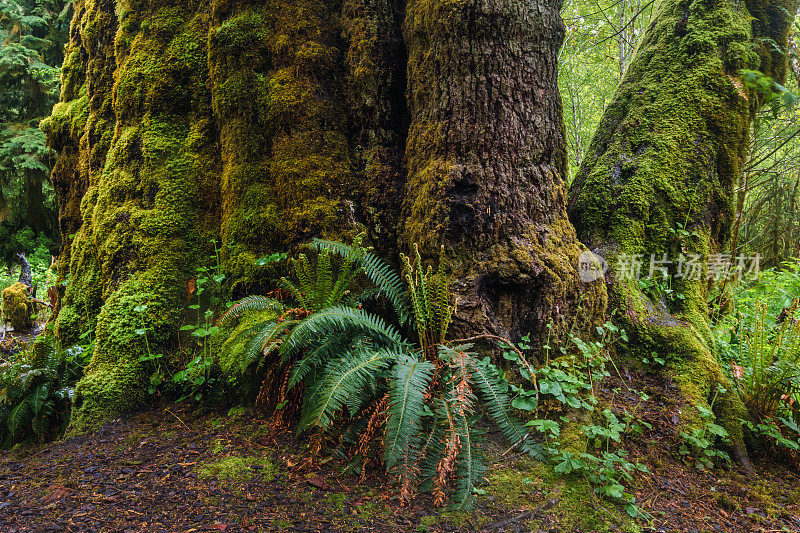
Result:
[366,381]
[761,341]
[36,389]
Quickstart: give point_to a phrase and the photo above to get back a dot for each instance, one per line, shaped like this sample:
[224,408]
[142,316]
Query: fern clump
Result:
[354,374]
[35,394]
[310,317]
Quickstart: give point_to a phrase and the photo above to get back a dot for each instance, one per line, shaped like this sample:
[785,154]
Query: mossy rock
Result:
[18,309]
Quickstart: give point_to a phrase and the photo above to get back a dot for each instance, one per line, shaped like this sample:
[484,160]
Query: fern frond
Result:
[431,448]
[470,466]
[498,404]
[344,278]
[385,279]
[343,320]
[259,345]
[304,274]
[319,354]
[43,417]
[410,380]
[342,378]
[250,304]
[324,287]
[39,397]
[296,293]
[19,418]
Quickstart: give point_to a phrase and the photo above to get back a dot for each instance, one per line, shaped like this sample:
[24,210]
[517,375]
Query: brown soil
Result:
[143,473]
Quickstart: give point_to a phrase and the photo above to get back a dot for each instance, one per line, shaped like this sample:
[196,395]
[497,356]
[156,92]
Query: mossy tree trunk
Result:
[486,160]
[263,123]
[666,157]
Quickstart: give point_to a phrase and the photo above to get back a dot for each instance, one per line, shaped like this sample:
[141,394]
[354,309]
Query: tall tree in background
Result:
[660,174]
[264,123]
[32,38]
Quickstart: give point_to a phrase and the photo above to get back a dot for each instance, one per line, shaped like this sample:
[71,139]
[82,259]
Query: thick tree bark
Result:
[666,157]
[486,162]
[264,123]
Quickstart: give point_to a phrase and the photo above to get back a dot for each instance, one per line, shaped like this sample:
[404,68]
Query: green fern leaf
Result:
[319,354]
[410,381]
[498,404]
[470,465]
[296,293]
[302,270]
[248,305]
[431,448]
[387,282]
[342,378]
[261,345]
[19,418]
[39,398]
[324,286]
[343,320]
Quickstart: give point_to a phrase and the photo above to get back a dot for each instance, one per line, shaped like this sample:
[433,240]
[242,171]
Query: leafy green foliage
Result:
[385,280]
[35,392]
[767,376]
[775,95]
[419,401]
[429,293]
[760,341]
[699,445]
[569,384]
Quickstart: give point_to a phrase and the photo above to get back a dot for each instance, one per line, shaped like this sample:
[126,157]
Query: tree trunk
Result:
[486,160]
[661,171]
[264,123]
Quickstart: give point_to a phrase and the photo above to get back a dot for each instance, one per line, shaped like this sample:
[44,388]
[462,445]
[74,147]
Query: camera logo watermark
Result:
[694,267]
[591,266]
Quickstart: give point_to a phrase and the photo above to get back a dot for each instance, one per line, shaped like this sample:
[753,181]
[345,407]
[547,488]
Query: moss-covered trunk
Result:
[487,162]
[261,124]
[661,173]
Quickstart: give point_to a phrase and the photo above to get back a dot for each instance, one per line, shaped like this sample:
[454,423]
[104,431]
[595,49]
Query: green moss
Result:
[570,501]
[285,158]
[235,469]
[105,390]
[667,155]
[149,214]
[17,307]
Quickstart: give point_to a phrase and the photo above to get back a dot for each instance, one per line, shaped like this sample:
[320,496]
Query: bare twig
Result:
[179,419]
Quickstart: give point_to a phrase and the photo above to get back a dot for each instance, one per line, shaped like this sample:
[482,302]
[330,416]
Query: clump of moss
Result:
[568,502]
[235,469]
[17,307]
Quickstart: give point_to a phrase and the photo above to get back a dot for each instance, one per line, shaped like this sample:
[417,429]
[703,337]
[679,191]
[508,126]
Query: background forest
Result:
[362,352]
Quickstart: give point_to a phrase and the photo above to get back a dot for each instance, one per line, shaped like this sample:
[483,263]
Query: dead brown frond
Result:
[376,420]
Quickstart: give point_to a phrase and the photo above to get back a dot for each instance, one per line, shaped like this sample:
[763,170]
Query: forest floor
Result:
[175,467]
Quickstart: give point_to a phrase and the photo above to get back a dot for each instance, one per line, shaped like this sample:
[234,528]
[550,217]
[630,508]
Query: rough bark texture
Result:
[666,157]
[263,123]
[486,163]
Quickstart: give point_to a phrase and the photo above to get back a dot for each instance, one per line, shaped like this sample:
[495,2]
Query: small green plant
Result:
[699,445]
[153,363]
[784,432]
[569,383]
[769,380]
[775,95]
